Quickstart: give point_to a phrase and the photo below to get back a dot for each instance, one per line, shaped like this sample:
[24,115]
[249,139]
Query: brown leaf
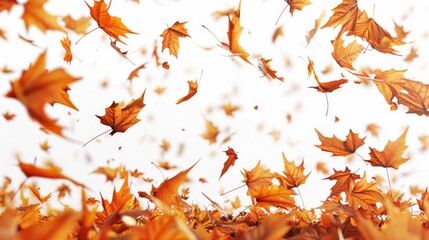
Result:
[338,147]
[211,132]
[232,157]
[345,180]
[297,5]
[193,89]
[171,37]
[365,194]
[6,5]
[345,14]
[264,66]
[257,178]
[273,196]
[68,56]
[122,119]
[345,56]
[294,175]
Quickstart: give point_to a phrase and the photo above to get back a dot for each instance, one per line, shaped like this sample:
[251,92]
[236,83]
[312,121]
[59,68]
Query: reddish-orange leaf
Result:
[345,14]
[294,175]
[345,56]
[6,5]
[79,26]
[264,66]
[211,132]
[321,167]
[35,14]
[111,25]
[135,72]
[68,56]
[234,33]
[36,192]
[8,116]
[167,191]
[345,180]
[170,37]
[297,5]
[232,157]
[339,147]
[326,87]
[391,155]
[122,119]
[37,87]
[364,194]
[51,172]
[257,178]
[193,89]
[273,196]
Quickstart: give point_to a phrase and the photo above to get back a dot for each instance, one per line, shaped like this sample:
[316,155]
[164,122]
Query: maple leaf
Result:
[35,14]
[135,72]
[122,119]
[31,170]
[36,87]
[415,96]
[391,155]
[345,14]
[345,180]
[326,87]
[273,196]
[232,157]
[297,5]
[211,132]
[294,175]
[167,191]
[316,27]
[345,56]
[257,178]
[264,66]
[111,25]
[6,5]
[193,89]
[338,147]
[229,109]
[234,33]
[79,26]
[68,56]
[171,37]
[364,194]
[63,98]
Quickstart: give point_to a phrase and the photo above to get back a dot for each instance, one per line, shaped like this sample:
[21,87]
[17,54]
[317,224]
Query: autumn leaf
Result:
[392,154]
[316,27]
[234,33]
[257,178]
[120,119]
[415,96]
[345,14]
[364,194]
[338,147]
[68,56]
[6,5]
[79,26]
[273,196]
[193,89]
[294,175]
[277,33]
[272,227]
[345,180]
[111,25]
[35,15]
[345,56]
[63,98]
[229,109]
[211,132]
[135,72]
[171,37]
[297,5]
[37,87]
[331,86]
[167,191]
[31,170]
[264,66]
[232,157]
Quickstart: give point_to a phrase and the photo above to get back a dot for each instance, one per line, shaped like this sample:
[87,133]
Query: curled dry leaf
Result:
[68,56]
[264,66]
[193,89]
[232,157]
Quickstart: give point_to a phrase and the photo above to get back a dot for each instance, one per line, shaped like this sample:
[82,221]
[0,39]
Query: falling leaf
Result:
[68,56]
[45,146]
[193,89]
[294,175]
[273,196]
[36,192]
[229,109]
[338,147]
[171,37]
[135,72]
[211,132]
[411,55]
[79,26]
[232,157]
[31,170]
[35,15]
[392,154]
[120,119]
[8,116]
[7,5]
[344,181]
[331,86]
[321,167]
[37,87]
[345,14]
[297,5]
[316,27]
[111,25]
[345,56]
[277,33]
[257,178]
[264,66]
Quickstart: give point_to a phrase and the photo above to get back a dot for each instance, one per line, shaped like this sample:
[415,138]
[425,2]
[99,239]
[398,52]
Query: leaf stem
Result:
[300,195]
[388,180]
[360,156]
[233,190]
[86,34]
[97,136]
[327,104]
[278,19]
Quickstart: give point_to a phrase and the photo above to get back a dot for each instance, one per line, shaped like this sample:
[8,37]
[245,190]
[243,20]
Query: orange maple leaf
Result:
[339,147]
[345,56]
[171,37]
[6,5]
[122,119]
[323,87]
[31,170]
[35,14]
[37,87]
[234,33]
[229,109]
[264,66]
[273,196]
[257,178]
[167,191]
[111,25]
[344,182]
[135,72]
[68,56]
[415,96]
[211,132]
[193,89]
[391,155]
[232,157]
[364,194]
[297,5]
[79,26]
[345,14]
[294,175]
